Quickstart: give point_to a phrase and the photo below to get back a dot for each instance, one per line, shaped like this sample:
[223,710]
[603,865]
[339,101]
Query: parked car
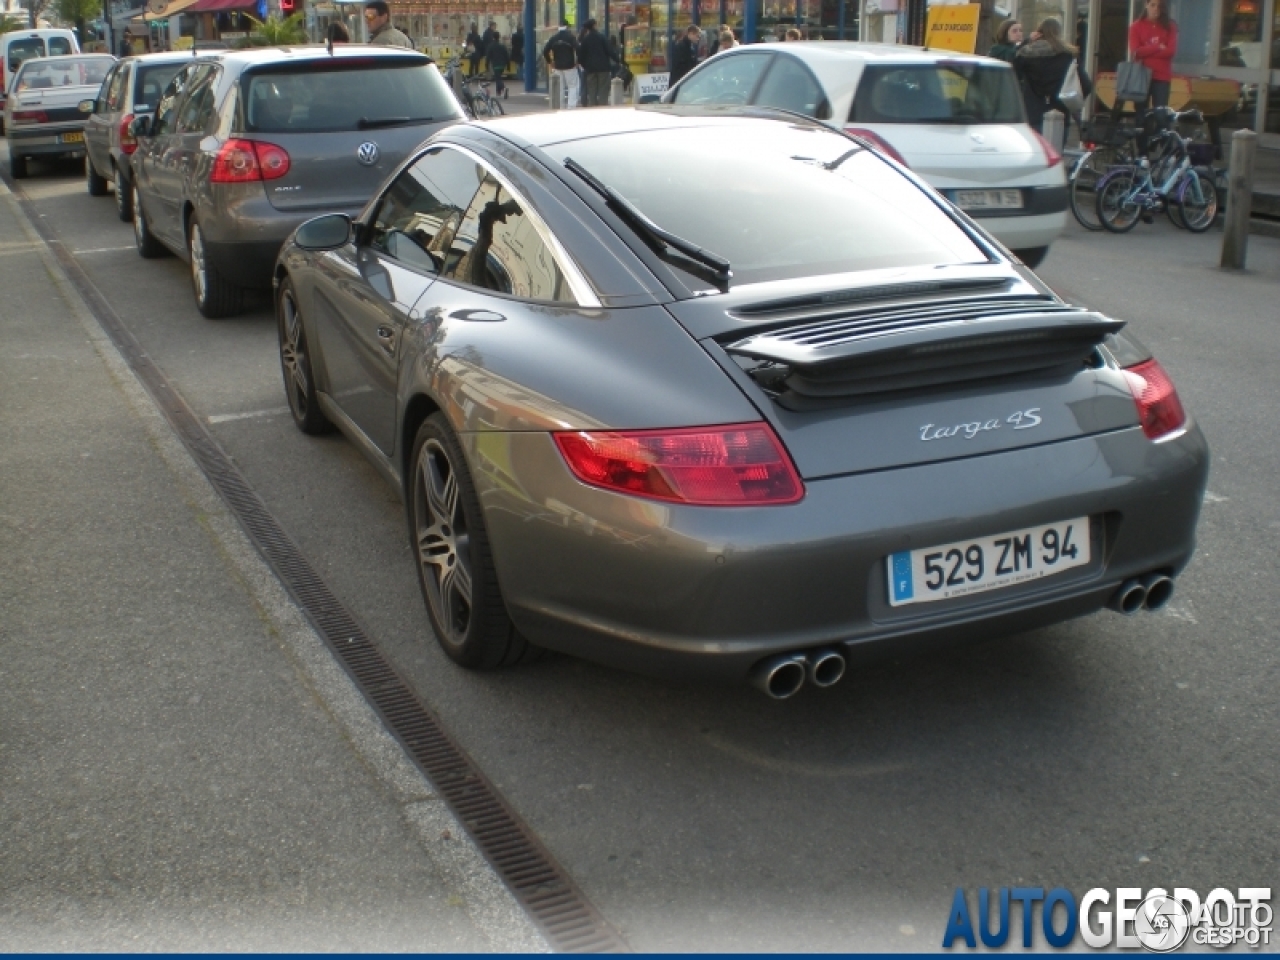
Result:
[132,88]
[958,121]
[243,146]
[42,117]
[832,416]
[18,46]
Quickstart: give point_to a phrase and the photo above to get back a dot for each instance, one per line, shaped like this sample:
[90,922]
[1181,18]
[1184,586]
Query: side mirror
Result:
[87,106]
[324,233]
[140,126]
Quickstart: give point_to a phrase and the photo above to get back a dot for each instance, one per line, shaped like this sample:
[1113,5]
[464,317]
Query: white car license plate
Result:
[989,199]
[76,137]
[988,563]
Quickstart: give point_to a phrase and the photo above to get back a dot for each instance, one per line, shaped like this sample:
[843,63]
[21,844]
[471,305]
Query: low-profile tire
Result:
[18,167]
[124,197]
[295,364]
[1032,256]
[455,563]
[95,184]
[215,295]
[148,246]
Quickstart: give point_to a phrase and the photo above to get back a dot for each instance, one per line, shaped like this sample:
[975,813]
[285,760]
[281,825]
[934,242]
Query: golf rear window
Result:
[151,83]
[344,95]
[961,92]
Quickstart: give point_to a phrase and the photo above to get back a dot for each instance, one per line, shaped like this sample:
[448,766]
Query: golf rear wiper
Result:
[367,123]
[650,231]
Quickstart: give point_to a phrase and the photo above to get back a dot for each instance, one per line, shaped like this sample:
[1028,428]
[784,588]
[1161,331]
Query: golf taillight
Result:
[128,143]
[880,142]
[1159,409]
[29,116]
[732,465]
[1050,152]
[244,161]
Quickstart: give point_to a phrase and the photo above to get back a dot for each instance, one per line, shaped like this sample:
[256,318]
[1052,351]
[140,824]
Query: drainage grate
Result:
[564,915]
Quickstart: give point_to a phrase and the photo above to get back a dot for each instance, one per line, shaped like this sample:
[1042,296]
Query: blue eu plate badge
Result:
[903,588]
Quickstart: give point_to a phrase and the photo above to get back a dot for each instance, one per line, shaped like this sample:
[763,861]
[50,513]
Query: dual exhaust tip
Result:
[782,676]
[1151,592]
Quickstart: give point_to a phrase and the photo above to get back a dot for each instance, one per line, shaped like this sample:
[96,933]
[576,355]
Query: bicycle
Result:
[1172,184]
[472,93]
[1097,161]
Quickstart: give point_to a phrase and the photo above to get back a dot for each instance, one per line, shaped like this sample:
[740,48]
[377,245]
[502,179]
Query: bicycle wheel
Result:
[1083,194]
[1198,201]
[1118,211]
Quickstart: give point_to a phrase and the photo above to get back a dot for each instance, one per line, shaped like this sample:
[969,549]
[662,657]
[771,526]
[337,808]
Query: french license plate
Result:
[76,137]
[988,563]
[989,199]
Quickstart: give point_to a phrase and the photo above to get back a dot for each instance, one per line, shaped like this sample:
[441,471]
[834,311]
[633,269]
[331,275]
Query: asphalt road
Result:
[1104,752]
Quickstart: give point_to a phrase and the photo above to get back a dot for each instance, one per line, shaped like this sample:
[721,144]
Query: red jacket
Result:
[1154,46]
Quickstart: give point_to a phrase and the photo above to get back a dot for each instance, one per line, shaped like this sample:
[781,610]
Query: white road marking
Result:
[225,417]
[79,253]
[1210,497]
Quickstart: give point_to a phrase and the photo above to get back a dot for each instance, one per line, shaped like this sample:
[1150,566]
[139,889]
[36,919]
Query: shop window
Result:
[1241,38]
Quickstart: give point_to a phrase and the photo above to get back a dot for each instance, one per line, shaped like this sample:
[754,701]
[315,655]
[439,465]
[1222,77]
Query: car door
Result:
[731,78]
[106,114]
[155,162]
[791,85]
[365,294]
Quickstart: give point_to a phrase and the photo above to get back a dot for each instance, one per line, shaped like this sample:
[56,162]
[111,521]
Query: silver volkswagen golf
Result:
[244,146]
[828,415]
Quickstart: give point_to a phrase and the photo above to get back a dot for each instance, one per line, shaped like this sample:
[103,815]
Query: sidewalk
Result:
[183,766]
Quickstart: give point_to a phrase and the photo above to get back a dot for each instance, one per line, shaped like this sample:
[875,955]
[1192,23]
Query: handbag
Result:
[1133,82]
[1071,95]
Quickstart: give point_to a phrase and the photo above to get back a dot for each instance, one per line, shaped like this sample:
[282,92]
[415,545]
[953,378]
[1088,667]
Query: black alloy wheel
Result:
[95,184]
[455,565]
[148,246]
[295,364]
[216,297]
[124,197]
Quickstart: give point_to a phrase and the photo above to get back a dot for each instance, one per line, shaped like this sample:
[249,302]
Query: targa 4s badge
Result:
[1021,420]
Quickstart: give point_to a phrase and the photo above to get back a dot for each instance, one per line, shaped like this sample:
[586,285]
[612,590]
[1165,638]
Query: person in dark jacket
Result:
[1042,65]
[475,52]
[517,51]
[685,57]
[561,54]
[597,62]
[499,61]
[1008,40]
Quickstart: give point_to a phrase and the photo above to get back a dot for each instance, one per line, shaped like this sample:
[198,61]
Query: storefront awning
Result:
[217,6]
[161,11]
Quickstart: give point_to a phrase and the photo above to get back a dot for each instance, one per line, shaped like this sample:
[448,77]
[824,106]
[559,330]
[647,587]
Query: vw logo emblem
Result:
[367,153]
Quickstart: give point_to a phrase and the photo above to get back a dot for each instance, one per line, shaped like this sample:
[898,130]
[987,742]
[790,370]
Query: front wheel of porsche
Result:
[455,563]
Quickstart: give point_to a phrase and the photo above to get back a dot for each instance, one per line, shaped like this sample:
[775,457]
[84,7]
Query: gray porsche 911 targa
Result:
[727,396]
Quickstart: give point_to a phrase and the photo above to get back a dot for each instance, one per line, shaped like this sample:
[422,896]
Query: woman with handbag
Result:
[1042,66]
[1153,42]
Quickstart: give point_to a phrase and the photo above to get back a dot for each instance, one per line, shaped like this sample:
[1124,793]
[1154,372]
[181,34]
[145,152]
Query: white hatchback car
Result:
[956,120]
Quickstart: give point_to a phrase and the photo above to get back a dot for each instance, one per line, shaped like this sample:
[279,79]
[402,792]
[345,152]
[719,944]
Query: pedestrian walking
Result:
[726,41]
[561,54]
[377,18]
[597,63]
[1042,66]
[1008,40]
[1153,41]
[517,51]
[685,57]
[474,45]
[499,61]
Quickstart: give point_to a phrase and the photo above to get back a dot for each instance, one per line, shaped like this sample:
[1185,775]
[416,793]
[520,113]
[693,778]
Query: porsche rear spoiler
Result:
[871,355]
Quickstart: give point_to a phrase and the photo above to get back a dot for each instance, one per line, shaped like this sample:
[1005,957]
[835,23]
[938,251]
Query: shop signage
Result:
[953,28]
[649,87]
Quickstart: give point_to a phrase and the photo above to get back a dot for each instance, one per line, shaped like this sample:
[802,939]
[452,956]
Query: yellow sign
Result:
[953,28]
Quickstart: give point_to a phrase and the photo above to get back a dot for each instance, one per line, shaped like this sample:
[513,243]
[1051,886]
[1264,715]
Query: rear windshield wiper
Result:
[654,234]
[368,123]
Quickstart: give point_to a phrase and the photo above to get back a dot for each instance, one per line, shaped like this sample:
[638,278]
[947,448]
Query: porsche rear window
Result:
[343,96]
[962,92]
[797,202]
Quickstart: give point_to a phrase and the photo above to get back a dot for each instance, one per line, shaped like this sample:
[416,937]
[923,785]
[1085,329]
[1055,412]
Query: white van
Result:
[20,45]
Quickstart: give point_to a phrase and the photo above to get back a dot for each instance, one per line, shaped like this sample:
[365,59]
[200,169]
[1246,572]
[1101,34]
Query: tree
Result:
[9,24]
[274,32]
[77,12]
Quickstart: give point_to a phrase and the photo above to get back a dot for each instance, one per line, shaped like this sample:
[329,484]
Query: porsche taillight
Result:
[128,143]
[1159,409]
[244,161]
[740,464]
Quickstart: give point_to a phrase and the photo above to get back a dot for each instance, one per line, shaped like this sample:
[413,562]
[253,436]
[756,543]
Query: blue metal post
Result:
[530,46]
[840,20]
[580,15]
[750,16]
[671,34]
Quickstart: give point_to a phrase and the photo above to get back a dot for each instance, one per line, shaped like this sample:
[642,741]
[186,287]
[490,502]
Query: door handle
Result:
[387,338]
[477,316]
